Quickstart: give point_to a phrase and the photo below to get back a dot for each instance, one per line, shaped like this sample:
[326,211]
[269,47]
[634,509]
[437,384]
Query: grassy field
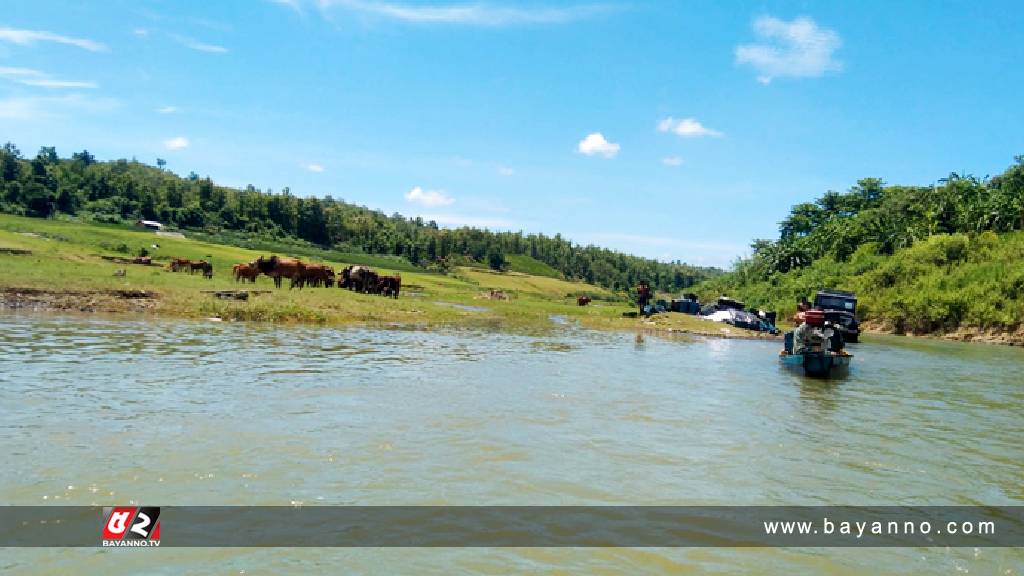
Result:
[77,267]
[66,269]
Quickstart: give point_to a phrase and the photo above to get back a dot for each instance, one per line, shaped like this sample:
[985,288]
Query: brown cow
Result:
[389,285]
[278,268]
[314,275]
[243,272]
[205,267]
[179,264]
[583,300]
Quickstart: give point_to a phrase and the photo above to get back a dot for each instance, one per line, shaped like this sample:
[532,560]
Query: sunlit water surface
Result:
[100,411]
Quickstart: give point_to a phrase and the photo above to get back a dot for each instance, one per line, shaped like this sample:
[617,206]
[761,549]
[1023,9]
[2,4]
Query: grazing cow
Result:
[201,265]
[179,264]
[278,268]
[314,275]
[322,274]
[389,285]
[583,300]
[243,272]
[360,279]
[346,277]
[205,267]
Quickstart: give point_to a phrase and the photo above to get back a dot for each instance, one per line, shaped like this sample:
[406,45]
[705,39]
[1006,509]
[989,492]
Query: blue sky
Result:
[675,130]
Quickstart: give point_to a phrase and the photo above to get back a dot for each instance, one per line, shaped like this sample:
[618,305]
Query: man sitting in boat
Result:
[815,346]
[810,336]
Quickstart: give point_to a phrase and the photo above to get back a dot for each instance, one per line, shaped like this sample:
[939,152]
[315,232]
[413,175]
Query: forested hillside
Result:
[122,190]
[923,259]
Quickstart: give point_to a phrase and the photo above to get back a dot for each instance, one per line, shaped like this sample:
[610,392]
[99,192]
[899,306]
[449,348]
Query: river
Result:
[113,411]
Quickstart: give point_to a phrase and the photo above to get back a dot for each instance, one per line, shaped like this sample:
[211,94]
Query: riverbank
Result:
[69,266]
[975,334]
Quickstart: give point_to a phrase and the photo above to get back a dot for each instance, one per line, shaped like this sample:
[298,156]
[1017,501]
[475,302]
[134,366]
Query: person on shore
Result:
[643,295]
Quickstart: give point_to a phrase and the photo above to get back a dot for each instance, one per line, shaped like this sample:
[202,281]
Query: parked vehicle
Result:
[687,304]
[840,311]
[726,303]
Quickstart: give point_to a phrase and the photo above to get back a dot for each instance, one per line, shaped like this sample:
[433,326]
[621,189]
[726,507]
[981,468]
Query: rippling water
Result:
[108,412]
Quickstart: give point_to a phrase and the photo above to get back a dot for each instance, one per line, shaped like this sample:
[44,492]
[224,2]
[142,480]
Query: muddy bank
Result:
[36,299]
[962,334]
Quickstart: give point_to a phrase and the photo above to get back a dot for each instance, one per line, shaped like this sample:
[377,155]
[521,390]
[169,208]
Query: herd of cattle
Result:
[357,278]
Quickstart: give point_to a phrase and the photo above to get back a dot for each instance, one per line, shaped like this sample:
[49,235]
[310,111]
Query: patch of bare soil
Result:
[1004,336]
[36,299]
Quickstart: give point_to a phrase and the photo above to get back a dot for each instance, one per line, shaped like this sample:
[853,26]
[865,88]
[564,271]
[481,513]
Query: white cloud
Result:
[506,171]
[428,197]
[672,161]
[35,108]
[167,109]
[471,14]
[197,45]
[595,144]
[30,77]
[176,143]
[796,49]
[315,167]
[141,32]
[20,72]
[28,37]
[52,83]
[687,128]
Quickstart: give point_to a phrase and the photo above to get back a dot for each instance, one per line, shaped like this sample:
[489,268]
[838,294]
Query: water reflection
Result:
[822,394]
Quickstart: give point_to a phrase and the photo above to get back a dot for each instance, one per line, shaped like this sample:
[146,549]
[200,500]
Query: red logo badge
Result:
[137,526]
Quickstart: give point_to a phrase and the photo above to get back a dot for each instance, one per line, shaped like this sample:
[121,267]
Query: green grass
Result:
[942,285]
[67,257]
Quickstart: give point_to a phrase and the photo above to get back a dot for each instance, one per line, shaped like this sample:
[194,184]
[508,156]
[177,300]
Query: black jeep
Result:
[841,311]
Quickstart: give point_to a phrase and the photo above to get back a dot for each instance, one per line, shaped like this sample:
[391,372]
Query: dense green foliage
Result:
[922,259]
[123,190]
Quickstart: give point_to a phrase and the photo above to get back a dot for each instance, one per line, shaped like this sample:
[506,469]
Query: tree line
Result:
[922,259]
[125,190]
[888,218]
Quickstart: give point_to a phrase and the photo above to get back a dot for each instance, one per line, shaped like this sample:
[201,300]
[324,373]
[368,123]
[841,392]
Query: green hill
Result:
[943,259]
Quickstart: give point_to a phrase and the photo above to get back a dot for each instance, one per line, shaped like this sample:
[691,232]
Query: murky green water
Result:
[159,413]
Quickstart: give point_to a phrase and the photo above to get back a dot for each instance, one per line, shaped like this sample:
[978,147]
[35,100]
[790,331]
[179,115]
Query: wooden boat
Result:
[818,364]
